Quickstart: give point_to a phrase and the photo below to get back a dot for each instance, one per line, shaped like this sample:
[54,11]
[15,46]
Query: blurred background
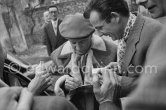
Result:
[21,23]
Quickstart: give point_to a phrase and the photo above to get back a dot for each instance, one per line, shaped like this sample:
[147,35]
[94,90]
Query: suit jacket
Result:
[151,91]
[2,60]
[162,19]
[140,38]
[50,40]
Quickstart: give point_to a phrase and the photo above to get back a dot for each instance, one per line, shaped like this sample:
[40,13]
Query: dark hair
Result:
[53,6]
[105,7]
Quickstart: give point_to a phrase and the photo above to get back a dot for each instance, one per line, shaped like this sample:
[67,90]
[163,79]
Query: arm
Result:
[105,92]
[57,88]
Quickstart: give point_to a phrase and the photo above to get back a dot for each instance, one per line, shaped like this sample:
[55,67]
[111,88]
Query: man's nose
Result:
[141,2]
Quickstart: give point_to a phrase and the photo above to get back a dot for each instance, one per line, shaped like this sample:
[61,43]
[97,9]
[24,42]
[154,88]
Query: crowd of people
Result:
[86,71]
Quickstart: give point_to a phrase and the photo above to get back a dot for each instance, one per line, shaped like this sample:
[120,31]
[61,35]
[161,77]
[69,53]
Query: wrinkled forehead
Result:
[53,9]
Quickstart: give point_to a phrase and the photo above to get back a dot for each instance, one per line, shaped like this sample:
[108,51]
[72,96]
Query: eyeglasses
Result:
[53,12]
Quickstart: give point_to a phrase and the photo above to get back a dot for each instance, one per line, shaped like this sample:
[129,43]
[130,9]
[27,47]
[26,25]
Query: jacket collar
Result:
[97,43]
[133,39]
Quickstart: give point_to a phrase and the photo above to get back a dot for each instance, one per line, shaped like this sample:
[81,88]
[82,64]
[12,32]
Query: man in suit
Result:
[150,94]
[52,38]
[157,8]
[134,35]
[81,54]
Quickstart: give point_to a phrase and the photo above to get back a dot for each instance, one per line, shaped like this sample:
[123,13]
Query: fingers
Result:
[96,83]
[59,92]
[25,101]
[69,86]
[72,83]
[112,65]
[106,75]
[73,80]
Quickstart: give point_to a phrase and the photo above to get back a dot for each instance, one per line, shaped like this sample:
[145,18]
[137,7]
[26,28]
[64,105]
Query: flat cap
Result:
[75,27]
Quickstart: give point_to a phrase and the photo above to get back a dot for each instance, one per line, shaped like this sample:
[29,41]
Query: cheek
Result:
[82,46]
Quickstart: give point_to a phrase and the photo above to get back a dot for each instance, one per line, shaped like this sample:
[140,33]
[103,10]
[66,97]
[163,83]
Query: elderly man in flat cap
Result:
[80,55]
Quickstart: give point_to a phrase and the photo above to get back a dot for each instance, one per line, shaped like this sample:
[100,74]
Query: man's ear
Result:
[115,16]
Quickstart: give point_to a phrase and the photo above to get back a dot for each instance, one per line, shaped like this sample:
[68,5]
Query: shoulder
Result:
[152,25]
[151,28]
[56,53]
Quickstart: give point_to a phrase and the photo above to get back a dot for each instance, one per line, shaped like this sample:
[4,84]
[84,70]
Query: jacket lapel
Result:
[64,59]
[51,35]
[64,56]
[134,38]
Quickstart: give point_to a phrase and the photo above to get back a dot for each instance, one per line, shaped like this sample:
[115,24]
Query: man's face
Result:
[157,8]
[81,46]
[53,13]
[111,29]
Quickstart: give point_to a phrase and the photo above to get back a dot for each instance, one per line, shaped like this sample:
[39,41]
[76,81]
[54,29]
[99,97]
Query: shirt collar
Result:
[97,43]
[54,22]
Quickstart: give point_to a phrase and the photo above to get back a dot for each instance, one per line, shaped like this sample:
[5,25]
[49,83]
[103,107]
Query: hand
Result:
[15,98]
[72,83]
[114,67]
[40,83]
[57,89]
[104,92]
[59,92]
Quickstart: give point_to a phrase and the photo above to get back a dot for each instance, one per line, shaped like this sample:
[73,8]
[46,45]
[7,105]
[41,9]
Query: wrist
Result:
[31,90]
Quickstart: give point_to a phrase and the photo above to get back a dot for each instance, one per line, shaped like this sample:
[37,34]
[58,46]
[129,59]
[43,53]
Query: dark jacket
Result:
[151,91]
[50,40]
[140,38]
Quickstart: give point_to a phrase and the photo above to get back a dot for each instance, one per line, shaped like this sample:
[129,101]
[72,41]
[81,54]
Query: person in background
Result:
[46,16]
[157,8]
[51,37]
[134,34]
[150,93]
